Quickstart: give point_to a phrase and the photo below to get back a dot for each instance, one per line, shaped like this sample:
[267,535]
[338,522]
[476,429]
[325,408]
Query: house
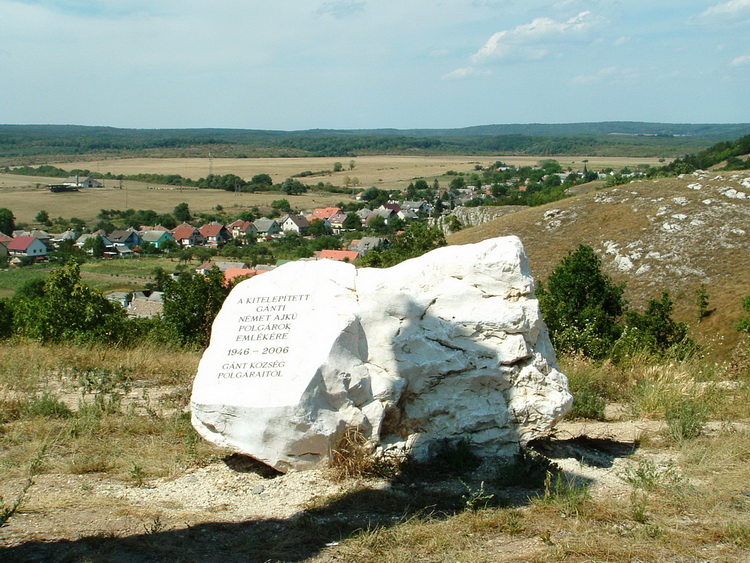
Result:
[36,233]
[407,215]
[80,241]
[366,244]
[294,224]
[68,236]
[215,234]
[267,227]
[146,306]
[340,255]
[5,238]
[186,236]
[157,238]
[325,212]
[129,238]
[122,298]
[364,213]
[26,246]
[231,274]
[82,182]
[242,229]
[416,207]
[337,221]
[385,213]
[206,267]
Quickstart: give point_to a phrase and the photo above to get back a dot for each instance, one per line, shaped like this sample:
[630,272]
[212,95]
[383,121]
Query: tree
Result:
[182,212]
[7,221]
[69,311]
[42,217]
[352,222]
[337,167]
[281,206]
[377,225]
[262,180]
[352,164]
[6,319]
[290,186]
[416,240]
[191,303]
[581,305]
[458,183]
[94,246]
[317,228]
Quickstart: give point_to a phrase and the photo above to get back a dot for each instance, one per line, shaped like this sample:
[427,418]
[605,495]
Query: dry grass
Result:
[681,501]
[142,422]
[628,221]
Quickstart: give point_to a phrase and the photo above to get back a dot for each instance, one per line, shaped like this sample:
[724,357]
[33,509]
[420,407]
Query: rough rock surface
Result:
[450,345]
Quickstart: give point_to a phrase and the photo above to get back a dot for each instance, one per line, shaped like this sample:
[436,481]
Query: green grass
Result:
[13,278]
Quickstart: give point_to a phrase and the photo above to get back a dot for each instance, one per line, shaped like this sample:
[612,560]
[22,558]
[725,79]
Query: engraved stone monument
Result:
[450,345]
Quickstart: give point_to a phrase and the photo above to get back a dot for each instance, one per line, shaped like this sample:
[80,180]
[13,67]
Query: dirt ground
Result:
[242,509]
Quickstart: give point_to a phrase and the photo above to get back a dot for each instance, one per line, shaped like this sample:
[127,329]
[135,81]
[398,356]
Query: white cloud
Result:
[608,74]
[341,8]
[466,72]
[533,40]
[734,11]
[743,60]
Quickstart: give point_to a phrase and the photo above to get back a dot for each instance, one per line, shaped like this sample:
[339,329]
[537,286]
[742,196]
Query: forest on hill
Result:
[21,144]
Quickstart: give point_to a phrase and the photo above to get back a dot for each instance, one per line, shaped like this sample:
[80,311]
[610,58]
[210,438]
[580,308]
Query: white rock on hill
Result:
[447,346]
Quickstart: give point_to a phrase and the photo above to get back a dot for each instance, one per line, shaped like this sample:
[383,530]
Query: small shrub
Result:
[476,499]
[107,386]
[7,511]
[587,403]
[638,506]
[738,534]
[45,405]
[685,418]
[566,493]
[648,476]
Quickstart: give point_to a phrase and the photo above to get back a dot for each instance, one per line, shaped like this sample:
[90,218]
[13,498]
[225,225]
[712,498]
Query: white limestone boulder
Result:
[447,346]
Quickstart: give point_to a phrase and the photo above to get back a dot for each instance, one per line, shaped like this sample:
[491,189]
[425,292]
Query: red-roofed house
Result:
[231,273]
[325,212]
[340,255]
[215,234]
[240,229]
[26,246]
[186,235]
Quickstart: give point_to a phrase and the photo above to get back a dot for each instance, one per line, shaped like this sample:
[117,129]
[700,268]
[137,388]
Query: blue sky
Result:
[350,64]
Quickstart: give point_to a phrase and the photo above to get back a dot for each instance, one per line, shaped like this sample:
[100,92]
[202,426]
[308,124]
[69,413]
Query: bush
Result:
[655,332]
[581,305]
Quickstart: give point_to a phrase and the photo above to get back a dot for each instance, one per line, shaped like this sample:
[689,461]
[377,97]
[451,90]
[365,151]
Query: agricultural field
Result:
[26,196]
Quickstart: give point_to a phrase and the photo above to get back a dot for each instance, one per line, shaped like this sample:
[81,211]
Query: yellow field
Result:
[26,196]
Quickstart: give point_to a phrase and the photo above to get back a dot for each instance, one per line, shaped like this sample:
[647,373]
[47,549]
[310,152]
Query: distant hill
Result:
[26,144]
[665,234]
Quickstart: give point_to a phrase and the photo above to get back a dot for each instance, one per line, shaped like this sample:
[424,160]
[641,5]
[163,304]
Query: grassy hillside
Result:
[667,234]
